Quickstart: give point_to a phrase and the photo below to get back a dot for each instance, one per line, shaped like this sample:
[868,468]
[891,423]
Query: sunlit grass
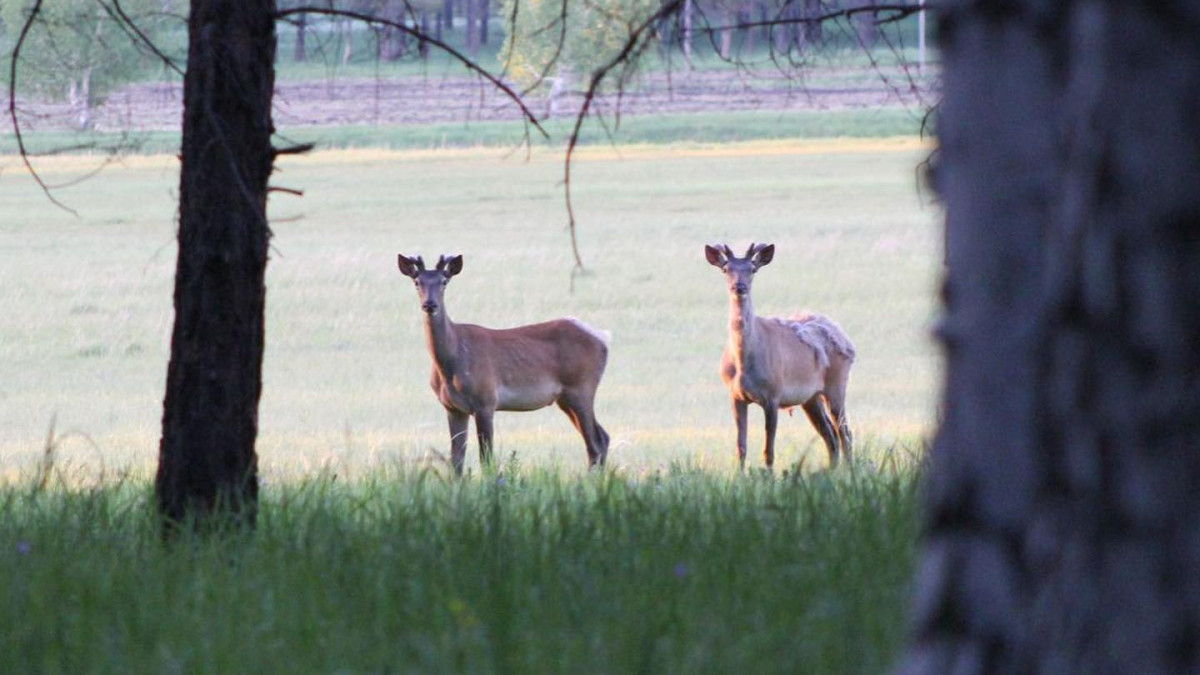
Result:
[87,313]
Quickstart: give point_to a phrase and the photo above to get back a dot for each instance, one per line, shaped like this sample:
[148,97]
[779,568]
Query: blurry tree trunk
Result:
[80,98]
[810,34]
[865,27]
[437,27]
[347,31]
[1063,531]
[422,43]
[687,30]
[745,15]
[471,30]
[725,46]
[448,15]
[393,42]
[207,467]
[485,16]
[301,53]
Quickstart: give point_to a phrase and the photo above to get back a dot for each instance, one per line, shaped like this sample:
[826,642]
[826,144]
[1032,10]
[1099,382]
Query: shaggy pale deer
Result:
[477,370]
[782,363]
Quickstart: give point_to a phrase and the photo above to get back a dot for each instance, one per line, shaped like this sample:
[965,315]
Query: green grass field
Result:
[680,572]
[87,300]
[368,559]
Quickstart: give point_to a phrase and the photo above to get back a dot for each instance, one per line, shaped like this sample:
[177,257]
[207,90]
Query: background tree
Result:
[565,38]
[1063,516]
[80,50]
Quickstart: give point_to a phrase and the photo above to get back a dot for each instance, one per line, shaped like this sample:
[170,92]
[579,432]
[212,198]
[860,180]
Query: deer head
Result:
[739,272]
[431,284]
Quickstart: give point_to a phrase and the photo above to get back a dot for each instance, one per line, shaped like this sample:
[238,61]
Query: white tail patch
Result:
[822,334]
[601,335]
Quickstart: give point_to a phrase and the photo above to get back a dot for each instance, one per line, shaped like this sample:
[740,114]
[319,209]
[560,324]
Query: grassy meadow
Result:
[367,558]
[87,314]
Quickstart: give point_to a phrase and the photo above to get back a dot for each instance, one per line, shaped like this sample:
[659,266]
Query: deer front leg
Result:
[483,429]
[458,438]
[771,412]
[739,417]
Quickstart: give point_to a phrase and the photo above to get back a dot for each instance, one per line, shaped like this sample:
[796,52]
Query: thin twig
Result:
[12,108]
[470,64]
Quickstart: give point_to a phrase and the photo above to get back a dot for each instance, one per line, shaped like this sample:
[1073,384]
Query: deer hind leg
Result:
[815,410]
[579,408]
[483,429]
[835,396]
[458,438]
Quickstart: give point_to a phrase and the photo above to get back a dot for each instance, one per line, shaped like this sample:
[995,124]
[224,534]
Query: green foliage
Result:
[542,44]
[80,50]
[677,571]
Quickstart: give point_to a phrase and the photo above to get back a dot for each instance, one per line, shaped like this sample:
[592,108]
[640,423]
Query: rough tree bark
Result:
[207,464]
[1063,523]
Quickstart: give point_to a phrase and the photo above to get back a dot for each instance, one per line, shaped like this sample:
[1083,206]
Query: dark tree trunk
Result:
[437,27]
[300,53]
[485,16]
[448,15]
[1063,529]
[207,467]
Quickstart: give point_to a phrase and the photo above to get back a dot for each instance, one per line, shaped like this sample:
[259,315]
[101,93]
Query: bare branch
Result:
[895,13]
[633,46]
[298,149]
[12,108]
[470,64]
[127,24]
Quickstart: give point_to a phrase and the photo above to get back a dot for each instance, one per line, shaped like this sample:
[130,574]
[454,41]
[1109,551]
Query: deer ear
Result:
[408,266]
[764,255]
[715,256]
[453,266]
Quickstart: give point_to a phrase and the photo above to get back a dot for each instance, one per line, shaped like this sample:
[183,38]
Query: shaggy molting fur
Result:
[822,334]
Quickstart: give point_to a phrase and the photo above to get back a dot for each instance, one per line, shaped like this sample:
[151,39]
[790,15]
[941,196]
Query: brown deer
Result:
[477,370]
[782,363]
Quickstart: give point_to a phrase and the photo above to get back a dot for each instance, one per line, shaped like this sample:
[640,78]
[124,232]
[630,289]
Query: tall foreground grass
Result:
[678,571]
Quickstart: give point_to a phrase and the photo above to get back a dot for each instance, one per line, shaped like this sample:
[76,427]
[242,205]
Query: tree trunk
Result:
[347,30]
[207,469]
[1063,519]
[470,30]
[485,16]
[725,47]
[422,43]
[393,43]
[811,34]
[80,98]
[687,31]
[301,54]
[865,28]
[448,15]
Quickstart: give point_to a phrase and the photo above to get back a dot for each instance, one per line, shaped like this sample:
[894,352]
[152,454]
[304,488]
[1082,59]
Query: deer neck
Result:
[442,340]
[741,327]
